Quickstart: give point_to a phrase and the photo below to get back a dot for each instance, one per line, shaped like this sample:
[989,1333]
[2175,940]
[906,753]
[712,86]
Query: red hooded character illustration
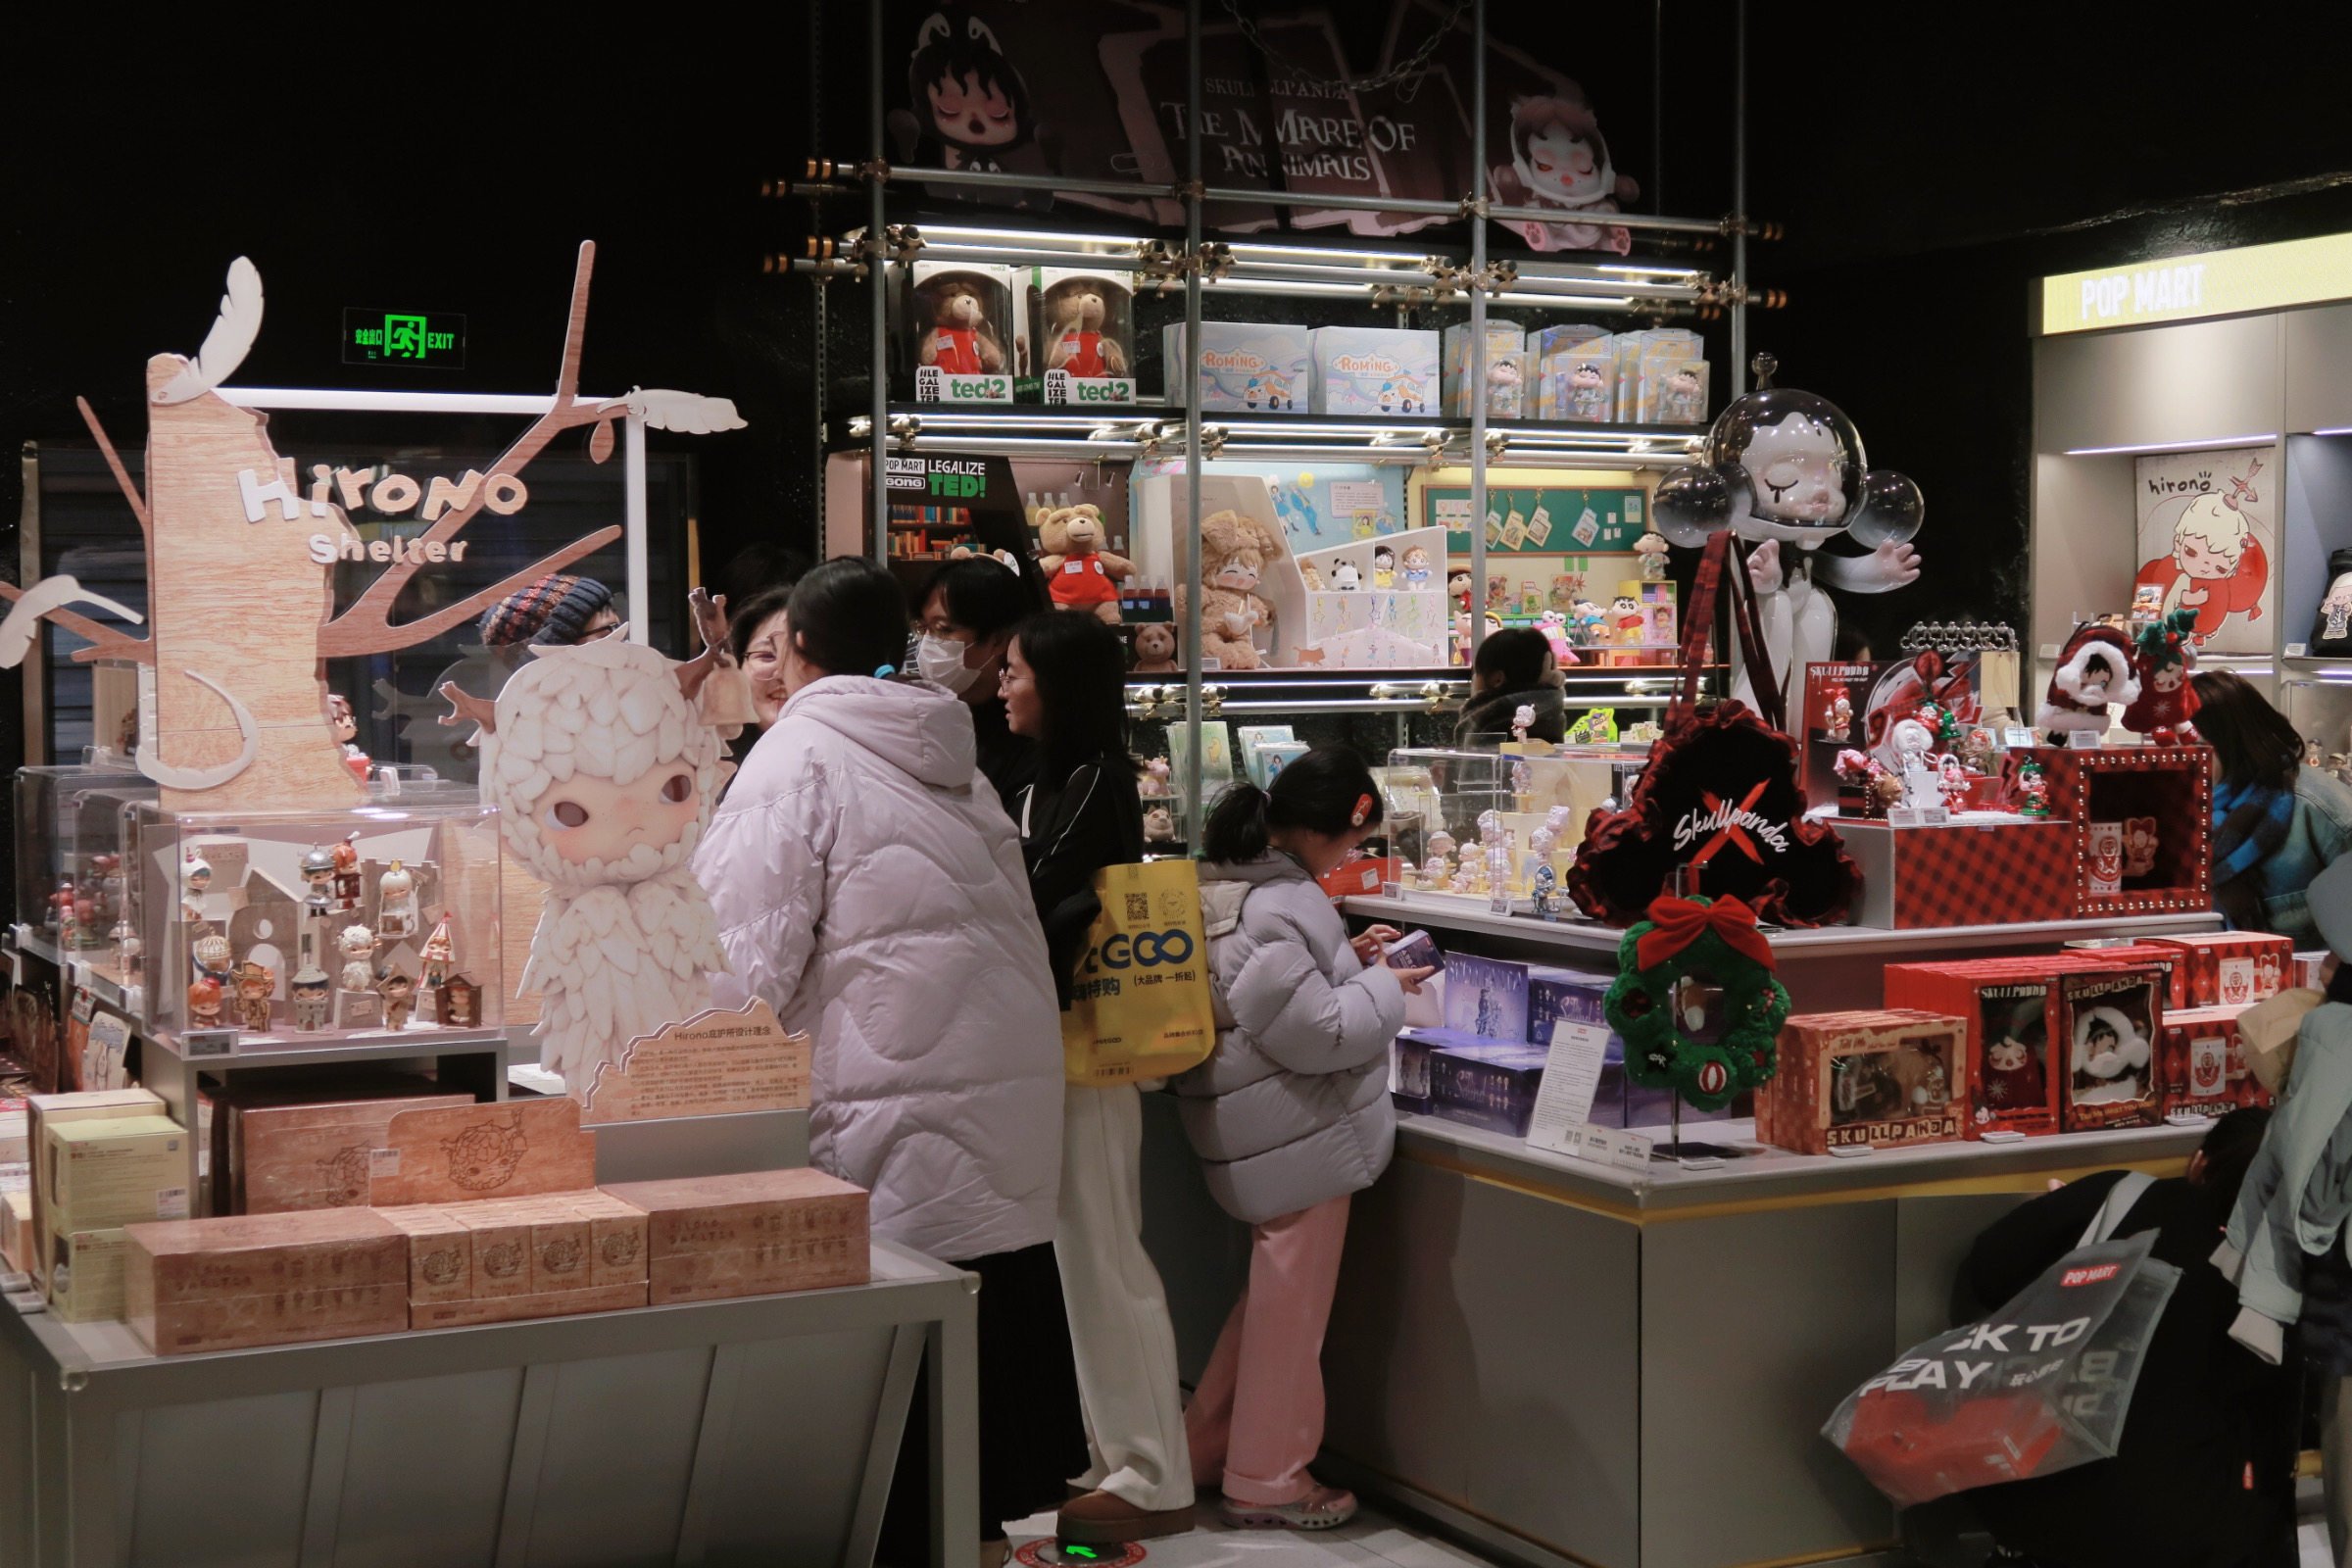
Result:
[2217,568]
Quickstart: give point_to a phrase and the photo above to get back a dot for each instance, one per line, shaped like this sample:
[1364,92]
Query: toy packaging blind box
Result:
[2108,1023]
[1243,366]
[1374,370]
[1581,386]
[1873,1078]
[1672,392]
[1856,706]
[2201,1063]
[960,331]
[2168,961]
[1509,372]
[2233,968]
[2006,1016]
[1082,328]
[1486,997]
[1492,1085]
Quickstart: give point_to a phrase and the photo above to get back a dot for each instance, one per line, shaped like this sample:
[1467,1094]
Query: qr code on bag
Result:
[1139,908]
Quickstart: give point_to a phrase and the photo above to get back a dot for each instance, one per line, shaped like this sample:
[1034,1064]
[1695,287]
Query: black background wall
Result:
[1926,172]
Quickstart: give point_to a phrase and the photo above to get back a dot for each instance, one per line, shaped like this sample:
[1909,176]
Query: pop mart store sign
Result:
[2188,288]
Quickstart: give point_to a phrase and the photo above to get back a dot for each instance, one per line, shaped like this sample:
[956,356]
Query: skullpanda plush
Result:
[2094,669]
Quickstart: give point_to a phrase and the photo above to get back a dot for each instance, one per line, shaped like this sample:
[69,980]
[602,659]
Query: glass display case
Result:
[67,891]
[296,928]
[1487,819]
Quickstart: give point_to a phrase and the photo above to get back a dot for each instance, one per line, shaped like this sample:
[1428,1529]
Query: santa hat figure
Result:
[2094,669]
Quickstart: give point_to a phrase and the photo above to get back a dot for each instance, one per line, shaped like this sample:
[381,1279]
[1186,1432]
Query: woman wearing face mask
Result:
[756,634]
[969,614]
[868,887]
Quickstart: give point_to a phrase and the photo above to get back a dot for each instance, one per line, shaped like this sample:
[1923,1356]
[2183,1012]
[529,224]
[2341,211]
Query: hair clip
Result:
[1364,810]
[885,671]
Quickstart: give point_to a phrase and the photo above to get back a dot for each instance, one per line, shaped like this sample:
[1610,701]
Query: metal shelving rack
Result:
[1396,275]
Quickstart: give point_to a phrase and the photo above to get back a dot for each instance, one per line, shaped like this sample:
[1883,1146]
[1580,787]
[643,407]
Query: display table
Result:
[761,1429]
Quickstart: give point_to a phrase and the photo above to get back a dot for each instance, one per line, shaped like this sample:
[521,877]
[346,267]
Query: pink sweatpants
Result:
[1257,1415]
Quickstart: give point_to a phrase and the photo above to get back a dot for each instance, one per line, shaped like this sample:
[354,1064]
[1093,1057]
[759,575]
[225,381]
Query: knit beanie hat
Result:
[554,609]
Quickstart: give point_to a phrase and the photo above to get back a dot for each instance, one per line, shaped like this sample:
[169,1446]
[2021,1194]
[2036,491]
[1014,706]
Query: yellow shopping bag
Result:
[1140,1004]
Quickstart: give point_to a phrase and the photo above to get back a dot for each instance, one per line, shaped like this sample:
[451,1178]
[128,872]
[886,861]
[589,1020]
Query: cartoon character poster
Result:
[2207,538]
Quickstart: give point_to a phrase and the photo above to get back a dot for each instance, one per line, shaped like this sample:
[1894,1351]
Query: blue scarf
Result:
[2250,823]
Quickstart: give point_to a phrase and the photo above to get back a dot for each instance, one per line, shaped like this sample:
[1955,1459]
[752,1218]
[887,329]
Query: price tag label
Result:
[1571,1076]
[2017,738]
[1629,1149]
[2084,740]
[208,1042]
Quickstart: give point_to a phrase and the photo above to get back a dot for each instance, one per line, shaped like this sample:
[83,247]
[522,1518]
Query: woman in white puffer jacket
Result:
[869,886]
[1290,1118]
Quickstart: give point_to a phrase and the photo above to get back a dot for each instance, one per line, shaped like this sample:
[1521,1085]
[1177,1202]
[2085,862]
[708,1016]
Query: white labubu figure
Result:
[604,772]
[1785,470]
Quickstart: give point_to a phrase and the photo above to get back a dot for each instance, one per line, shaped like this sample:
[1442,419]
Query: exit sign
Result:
[399,337]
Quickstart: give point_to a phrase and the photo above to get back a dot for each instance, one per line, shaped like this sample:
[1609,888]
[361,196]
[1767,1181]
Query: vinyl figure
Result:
[1416,566]
[356,944]
[1545,887]
[396,902]
[460,1004]
[346,856]
[211,955]
[254,984]
[399,992]
[195,883]
[318,882]
[603,773]
[204,1002]
[439,949]
[1384,568]
[1651,547]
[347,733]
[311,994]
[2033,791]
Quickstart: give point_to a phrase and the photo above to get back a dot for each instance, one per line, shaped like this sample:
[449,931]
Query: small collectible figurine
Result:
[399,992]
[1442,843]
[1384,568]
[211,955]
[460,1004]
[311,994]
[1626,619]
[1436,872]
[347,733]
[1160,825]
[1416,567]
[356,944]
[1544,889]
[254,984]
[959,341]
[1459,584]
[59,916]
[347,874]
[1684,398]
[1838,710]
[318,882]
[1913,741]
[1523,717]
[2014,1078]
[1954,782]
[1933,1089]
[204,1002]
[2140,849]
[128,948]
[396,902]
[1878,788]
[1651,547]
[2033,791]
[2162,656]
[195,883]
[1156,651]
[438,951]
[1080,573]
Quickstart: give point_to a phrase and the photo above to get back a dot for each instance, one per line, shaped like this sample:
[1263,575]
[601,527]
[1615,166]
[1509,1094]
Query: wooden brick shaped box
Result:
[2170,788]
[503,1259]
[1869,1078]
[264,1279]
[751,1235]
[314,1156]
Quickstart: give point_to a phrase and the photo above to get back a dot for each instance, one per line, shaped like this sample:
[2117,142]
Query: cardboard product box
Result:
[15,1146]
[99,1174]
[1082,337]
[981,338]
[2143,826]
[2307,970]
[1879,1078]
[495,1148]
[85,1275]
[1486,997]
[1508,397]
[504,1260]
[314,1156]
[2233,968]
[16,1225]
[266,1279]
[750,1235]
[2008,1009]
[1242,368]
[2108,1026]
[2172,962]
[1490,1085]
[440,1252]
[2195,1062]
[1375,370]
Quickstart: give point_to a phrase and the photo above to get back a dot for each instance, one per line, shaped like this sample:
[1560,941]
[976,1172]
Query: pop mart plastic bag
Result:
[2042,1386]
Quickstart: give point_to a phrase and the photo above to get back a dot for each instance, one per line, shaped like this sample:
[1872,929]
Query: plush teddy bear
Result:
[959,341]
[1080,575]
[1079,344]
[1155,649]
[1234,552]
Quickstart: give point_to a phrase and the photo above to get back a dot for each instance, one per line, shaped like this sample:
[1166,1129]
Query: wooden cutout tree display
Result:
[234,696]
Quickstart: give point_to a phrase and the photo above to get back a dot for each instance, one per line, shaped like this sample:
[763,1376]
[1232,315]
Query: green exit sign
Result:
[400,337]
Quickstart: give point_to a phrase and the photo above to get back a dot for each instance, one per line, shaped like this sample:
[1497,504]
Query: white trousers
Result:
[1119,1328]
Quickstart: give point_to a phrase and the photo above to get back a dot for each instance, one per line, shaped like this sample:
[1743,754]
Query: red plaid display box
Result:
[2233,968]
[1888,1077]
[2008,1010]
[2172,962]
[1963,873]
[2202,1064]
[2105,793]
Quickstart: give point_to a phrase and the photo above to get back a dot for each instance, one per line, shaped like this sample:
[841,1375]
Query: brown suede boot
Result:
[1102,1519]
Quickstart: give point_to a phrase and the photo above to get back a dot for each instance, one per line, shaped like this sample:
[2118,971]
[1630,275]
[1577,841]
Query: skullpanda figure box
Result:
[1871,1078]
[2108,1024]
[2009,1009]
[2233,968]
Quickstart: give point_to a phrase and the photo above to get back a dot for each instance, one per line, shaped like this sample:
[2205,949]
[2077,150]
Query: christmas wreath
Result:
[1713,942]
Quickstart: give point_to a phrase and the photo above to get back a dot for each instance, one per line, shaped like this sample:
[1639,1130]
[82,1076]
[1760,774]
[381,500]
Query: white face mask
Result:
[940,661]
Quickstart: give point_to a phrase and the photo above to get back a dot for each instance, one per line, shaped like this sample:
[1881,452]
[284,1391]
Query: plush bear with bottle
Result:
[1785,471]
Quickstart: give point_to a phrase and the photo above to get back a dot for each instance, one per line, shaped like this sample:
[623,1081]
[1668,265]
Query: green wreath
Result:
[1716,939]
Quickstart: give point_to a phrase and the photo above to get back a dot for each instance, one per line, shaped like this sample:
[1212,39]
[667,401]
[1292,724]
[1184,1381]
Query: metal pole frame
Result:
[878,275]
[1188,562]
[1476,389]
[1739,199]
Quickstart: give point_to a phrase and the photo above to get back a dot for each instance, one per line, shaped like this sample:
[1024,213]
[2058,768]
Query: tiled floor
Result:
[1368,1540]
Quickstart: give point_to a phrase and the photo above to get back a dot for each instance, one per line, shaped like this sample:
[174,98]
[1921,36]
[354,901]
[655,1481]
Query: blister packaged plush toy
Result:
[962,338]
[1506,374]
[1081,325]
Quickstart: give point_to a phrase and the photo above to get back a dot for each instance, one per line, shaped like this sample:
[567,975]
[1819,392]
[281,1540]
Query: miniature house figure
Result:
[459,1003]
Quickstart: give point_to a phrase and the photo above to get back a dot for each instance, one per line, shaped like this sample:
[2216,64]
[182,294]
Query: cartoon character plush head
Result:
[964,87]
[1458,583]
[1559,154]
[1155,648]
[1344,577]
[1384,560]
[1625,604]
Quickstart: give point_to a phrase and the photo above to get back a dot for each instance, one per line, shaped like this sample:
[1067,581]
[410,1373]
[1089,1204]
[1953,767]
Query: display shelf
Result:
[298,1051]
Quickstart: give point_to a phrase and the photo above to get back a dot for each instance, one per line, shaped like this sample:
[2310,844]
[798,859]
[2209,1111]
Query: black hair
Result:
[2230,1147]
[758,567]
[2252,742]
[1851,645]
[1516,654]
[961,48]
[982,596]
[850,619]
[1080,666]
[748,616]
[1321,792]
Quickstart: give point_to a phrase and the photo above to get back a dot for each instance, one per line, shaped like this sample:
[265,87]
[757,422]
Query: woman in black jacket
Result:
[1514,670]
[1064,688]
[2204,1474]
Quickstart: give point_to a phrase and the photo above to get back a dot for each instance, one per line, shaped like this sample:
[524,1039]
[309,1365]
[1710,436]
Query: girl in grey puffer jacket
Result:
[1290,1118]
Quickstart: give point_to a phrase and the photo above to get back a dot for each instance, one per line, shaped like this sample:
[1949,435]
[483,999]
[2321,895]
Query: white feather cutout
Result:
[56,592]
[687,413]
[227,343]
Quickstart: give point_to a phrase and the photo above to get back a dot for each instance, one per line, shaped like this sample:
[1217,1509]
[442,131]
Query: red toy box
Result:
[1887,1077]
[2108,1023]
[2233,968]
[2193,1064]
[2172,961]
[1962,873]
[2006,1008]
[2143,826]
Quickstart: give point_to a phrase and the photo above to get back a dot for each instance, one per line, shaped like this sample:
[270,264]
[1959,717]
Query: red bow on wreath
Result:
[1676,923]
